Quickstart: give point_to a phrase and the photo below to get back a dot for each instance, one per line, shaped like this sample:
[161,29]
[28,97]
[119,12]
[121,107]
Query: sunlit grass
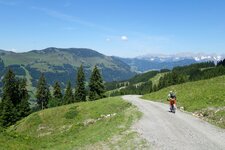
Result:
[196,96]
[67,127]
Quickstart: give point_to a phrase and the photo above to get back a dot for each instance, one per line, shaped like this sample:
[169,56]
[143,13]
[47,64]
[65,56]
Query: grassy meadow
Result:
[206,98]
[97,124]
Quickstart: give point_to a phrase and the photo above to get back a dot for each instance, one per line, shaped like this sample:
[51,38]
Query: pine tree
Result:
[96,85]
[8,114]
[10,88]
[1,107]
[57,93]
[23,108]
[14,105]
[57,98]
[80,92]
[43,93]
[68,97]
[10,99]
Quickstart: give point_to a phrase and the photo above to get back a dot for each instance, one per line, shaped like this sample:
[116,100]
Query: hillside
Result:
[137,79]
[61,64]
[139,84]
[98,125]
[204,98]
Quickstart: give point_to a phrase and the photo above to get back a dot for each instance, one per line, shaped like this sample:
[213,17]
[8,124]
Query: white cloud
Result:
[108,39]
[124,38]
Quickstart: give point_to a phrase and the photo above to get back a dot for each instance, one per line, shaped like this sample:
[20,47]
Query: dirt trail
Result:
[165,130]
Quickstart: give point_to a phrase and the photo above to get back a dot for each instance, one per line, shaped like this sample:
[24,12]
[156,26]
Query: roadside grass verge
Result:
[205,98]
[75,126]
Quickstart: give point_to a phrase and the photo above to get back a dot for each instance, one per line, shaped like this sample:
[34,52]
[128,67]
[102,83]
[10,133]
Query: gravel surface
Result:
[180,131]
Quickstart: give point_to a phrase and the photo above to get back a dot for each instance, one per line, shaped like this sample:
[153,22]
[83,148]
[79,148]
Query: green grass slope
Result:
[138,80]
[81,125]
[155,79]
[206,98]
[57,61]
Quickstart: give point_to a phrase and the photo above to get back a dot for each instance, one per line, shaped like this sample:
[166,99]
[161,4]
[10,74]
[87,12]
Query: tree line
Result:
[137,89]
[139,84]
[222,62]
[144,77]
[194,72]
[14,104]
[177,75]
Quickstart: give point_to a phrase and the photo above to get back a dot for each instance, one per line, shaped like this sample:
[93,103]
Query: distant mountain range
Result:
[159,61]
[182,56]
[60,64]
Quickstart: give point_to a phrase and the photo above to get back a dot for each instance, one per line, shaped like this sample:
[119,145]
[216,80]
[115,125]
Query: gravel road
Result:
[180,131]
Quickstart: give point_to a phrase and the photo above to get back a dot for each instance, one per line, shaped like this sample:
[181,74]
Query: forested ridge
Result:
[14,104]
[142,83]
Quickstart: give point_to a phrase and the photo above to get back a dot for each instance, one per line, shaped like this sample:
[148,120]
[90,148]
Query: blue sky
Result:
[124,28]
